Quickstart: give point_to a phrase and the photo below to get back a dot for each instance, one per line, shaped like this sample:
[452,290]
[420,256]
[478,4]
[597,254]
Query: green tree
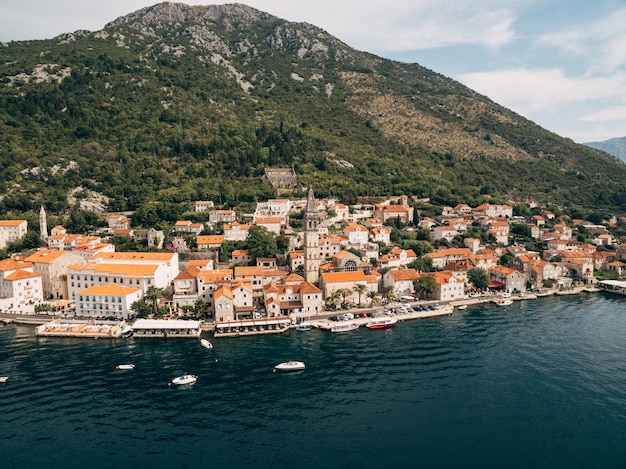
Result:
[261,243]
[425,285]
[361,289]
[478,277]
[141,308]
[152,297]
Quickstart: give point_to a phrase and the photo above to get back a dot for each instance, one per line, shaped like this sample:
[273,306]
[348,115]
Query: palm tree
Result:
[333,297]
[345,293]
[387,294]
[361,289]
[373,296]
[152,296]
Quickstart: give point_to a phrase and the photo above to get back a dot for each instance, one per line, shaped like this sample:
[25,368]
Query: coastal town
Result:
[343,262]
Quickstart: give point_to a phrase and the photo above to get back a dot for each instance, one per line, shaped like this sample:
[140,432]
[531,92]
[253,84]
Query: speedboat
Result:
[184,379]
[345,327]
[128,366]
[290,366]
[4,379]
[206,344]
[503,302]
[381,323]
[463,307]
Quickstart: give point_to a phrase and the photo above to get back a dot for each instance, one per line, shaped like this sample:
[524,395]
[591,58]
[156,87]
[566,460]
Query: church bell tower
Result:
[312,258]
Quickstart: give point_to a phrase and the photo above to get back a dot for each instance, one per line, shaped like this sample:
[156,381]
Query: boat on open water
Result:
[4,379]
[206,344]
[292,365]
[504,302]
[184,379]
[127,366]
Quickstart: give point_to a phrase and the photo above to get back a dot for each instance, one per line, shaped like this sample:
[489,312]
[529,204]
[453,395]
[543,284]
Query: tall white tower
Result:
[312,258]
[43,225]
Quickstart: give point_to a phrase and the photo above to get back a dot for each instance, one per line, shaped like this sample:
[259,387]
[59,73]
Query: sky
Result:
[559,63]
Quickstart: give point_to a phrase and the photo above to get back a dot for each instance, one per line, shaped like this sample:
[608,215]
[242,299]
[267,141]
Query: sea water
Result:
[541,383]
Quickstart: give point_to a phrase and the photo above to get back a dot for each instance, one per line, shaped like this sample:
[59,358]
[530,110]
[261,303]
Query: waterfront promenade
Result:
[323,321]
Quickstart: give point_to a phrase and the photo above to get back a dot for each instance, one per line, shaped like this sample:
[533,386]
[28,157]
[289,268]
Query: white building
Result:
[167,261]
[103,301]
[20,287]
[11,231]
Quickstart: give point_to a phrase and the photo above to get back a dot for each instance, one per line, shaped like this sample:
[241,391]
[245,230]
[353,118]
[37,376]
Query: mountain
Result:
[613,146]
[175,103]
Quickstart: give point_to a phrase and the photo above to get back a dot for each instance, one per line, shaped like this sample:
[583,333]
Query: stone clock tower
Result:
[312,258]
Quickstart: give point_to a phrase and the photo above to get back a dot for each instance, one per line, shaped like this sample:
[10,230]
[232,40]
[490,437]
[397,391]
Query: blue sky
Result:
[559,63]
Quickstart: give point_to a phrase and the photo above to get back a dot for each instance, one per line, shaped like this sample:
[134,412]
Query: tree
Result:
[361,289]
[387,294]
[141,308]
[152,297]
[261,243]
[478,277]
[373,297]
[425,285]
[333,297]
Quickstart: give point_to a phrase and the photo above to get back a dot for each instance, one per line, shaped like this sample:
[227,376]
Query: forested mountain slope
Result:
[177,103]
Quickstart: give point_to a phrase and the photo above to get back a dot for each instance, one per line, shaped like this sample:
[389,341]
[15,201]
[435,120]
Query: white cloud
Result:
[528,91]
[614,113]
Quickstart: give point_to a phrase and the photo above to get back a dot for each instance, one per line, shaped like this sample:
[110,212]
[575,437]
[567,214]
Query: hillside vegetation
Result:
[175,103]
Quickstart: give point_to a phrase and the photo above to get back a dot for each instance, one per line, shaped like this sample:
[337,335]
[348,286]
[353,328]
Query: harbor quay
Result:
[53,326]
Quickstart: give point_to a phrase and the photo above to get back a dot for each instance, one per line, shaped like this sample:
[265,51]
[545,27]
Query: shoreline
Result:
[322,321]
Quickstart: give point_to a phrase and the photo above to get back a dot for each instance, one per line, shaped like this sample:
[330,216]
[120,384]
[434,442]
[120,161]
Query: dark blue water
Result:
[538,384]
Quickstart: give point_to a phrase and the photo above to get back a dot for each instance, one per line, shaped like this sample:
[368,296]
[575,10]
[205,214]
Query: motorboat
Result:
[4,379]
[184,379]
[303,327]
[462,307]
[128,366]
[126,331]
[290,366]
[504,302]
[381,323]
[206,344]
[345,327]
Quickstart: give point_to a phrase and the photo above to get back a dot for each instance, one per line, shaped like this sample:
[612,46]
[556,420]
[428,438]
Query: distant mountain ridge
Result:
[175,103]
[613,146]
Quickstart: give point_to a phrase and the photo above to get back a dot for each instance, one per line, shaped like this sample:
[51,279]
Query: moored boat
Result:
[504,302]
[381,323]
[128,366]
[462,307]
[184,379]
[345,327]
[292,365]
[303,327]
[206,344]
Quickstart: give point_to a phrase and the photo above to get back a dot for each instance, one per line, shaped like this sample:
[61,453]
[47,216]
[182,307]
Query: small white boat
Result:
[206,344]
[290,366]
[503,302]
[128,366]
[345,327]
[303,327]
[184,379]
[462,307]
[4,379]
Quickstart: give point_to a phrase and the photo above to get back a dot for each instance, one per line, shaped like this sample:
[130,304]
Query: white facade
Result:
[11,231]
[104,301]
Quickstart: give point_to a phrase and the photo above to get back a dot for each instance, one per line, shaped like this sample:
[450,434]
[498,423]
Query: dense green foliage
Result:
[150,110]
